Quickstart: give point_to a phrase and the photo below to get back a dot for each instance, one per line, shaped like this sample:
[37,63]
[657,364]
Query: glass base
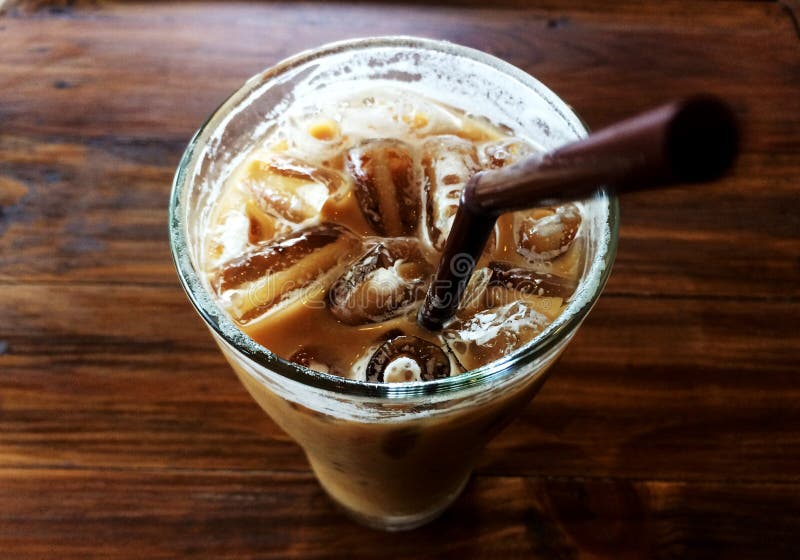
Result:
[395,523]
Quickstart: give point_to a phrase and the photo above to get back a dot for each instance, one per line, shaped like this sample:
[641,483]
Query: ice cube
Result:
[549,306]
[229,237]
[525,281]
[274,272]
[385,282]
[358,368]
[505,152]
[387,186]
[262,226]
[407,358]
[448,162]
[292,189]
[546,237]
[474,297]
[493,333]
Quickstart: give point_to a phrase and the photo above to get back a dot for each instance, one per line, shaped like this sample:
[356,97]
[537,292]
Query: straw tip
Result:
[428,320]
[703,139]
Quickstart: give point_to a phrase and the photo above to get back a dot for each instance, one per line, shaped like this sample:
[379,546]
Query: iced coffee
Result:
[321,246]
[323,242]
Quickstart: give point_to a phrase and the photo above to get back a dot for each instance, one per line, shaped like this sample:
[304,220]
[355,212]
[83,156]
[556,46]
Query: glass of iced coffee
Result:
[306,220]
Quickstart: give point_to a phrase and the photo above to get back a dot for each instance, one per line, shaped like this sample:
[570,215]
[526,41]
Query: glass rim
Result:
[216,318]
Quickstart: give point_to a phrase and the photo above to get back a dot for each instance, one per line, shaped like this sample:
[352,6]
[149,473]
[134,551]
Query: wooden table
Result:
[670,429]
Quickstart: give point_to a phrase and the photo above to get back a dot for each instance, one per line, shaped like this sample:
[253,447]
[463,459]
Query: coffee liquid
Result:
[324,240]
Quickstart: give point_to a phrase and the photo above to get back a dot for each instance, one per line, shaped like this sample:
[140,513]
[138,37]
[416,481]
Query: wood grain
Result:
[264,515]
[669,429]
[633,58]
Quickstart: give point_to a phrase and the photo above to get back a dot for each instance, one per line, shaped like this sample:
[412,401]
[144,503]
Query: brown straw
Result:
[688,141]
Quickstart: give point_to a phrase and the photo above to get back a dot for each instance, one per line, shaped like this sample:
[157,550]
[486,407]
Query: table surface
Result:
[670,428]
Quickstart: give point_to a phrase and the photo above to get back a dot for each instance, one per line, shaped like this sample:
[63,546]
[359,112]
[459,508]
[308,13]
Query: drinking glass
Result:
[394,456]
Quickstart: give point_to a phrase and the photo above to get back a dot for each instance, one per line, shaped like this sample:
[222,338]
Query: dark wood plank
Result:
[152,514]
[667,388]
[75,212]
[633,56]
